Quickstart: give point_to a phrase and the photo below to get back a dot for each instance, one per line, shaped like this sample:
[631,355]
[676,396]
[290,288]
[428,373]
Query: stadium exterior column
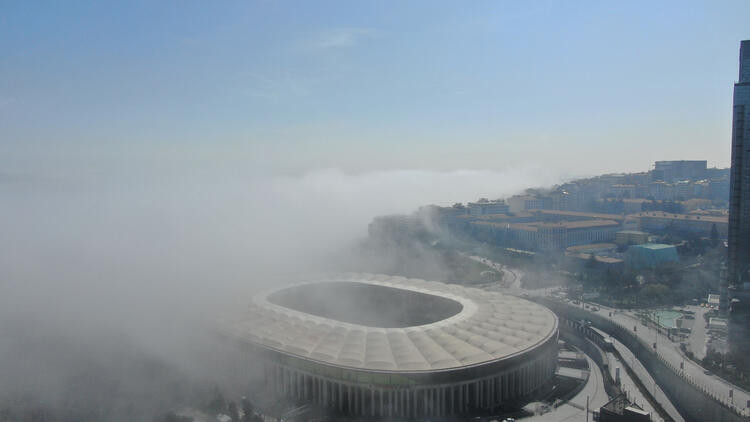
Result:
[476,394]
[349,399]
[441,394]
[443,401]
[372,401]
[438,401]
[391,402]
[407,402]
[491,391]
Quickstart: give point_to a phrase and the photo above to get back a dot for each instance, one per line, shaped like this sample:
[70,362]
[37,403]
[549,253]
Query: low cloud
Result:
[341,38]
[135,268]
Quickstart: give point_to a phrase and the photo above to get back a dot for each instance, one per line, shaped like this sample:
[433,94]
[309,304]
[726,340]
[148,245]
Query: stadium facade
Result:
[384,346]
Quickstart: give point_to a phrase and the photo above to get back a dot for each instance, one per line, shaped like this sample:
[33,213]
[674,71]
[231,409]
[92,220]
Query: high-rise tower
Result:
[738,271]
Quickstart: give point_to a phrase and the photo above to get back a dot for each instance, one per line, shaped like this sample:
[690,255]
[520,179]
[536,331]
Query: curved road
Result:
[670,352]
[575,408]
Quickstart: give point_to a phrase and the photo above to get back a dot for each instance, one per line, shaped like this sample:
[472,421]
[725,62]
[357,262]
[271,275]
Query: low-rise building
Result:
[619,409]
[671,171]
[560,215]
[634,205]
[489,207]
[550,236]
[650,255]
[520,203]
[631,237]
[717,324]
[623,191]
[699,224]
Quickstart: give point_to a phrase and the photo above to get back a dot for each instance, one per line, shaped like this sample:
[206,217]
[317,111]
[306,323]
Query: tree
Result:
[217,403]
[591,262]
[714,235]
[233,413]
[247,410]
[172,417]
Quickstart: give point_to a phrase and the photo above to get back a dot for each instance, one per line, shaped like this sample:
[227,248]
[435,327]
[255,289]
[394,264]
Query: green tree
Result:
[233,413]
[714,235]
[217,404]
[591,262]
[247,410]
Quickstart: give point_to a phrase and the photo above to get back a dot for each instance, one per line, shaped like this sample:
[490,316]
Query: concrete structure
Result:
[623,191]
[659,221]
[520,203]
[634,205]
[650,255]
[489,207]
[697,396]
[631,237]
[717,324]
[552,236]
[383,346]
[673,171]
[559,215]
[619,409]
[739,210]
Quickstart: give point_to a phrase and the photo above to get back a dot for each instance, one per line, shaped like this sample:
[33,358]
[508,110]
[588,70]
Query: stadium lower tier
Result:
[462,391]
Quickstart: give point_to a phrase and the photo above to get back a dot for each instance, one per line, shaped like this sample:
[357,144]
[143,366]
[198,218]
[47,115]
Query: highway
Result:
[575,408]
[666,348]
[670,352]
[511,277]
[628,385]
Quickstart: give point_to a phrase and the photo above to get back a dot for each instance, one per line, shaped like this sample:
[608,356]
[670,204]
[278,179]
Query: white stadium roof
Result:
[490,326]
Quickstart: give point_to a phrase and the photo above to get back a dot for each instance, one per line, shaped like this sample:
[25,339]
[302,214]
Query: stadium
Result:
[385,346]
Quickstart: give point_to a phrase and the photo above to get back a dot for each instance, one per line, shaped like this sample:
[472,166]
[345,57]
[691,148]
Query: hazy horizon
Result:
[163,161]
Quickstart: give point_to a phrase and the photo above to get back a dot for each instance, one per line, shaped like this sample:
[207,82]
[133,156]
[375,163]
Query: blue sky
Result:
[578,87]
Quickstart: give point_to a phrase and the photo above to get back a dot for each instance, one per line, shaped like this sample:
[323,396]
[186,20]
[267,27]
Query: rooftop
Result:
[489,326]
[536,225]
[591,247]
[597,258]
[653,246]
[584,224]
[600,216]
[686,217]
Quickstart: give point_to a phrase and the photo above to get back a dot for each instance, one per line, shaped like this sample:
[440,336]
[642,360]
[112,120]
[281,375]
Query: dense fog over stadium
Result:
[103,272]
[163,163]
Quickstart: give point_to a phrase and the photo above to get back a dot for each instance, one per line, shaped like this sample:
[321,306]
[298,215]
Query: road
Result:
[697,340]
[670,352]
[666,348]
[511,277]
[575,408]
[627,384]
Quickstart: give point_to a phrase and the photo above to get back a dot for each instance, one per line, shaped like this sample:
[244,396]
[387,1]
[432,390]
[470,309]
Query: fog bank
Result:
[101,271]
